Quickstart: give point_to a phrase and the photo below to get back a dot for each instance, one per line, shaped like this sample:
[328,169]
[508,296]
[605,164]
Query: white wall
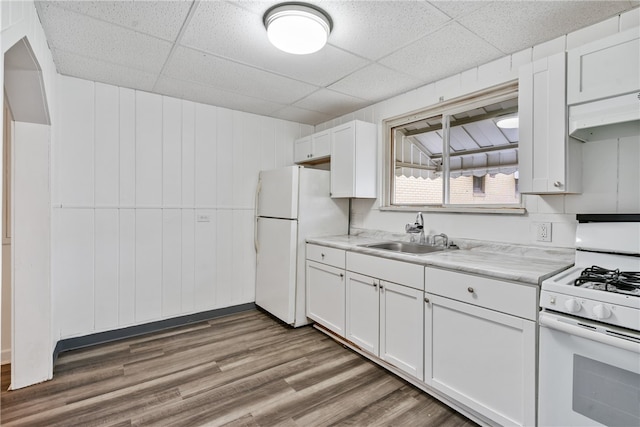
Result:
[610,168]
[32,344]
[153,202]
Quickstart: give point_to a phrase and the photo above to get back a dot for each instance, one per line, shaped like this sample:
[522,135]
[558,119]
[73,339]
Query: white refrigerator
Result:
[292,203]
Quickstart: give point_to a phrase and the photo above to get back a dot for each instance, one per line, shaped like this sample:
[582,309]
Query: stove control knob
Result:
[601,312]
[572,305]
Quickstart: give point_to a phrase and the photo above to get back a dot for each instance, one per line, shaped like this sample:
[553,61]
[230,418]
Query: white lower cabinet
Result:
[482,358]
[385,319]
[326,296]
[401,327]
[363,312]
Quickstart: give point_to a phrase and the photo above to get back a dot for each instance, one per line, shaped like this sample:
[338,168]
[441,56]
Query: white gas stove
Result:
[589,347]
[604,284]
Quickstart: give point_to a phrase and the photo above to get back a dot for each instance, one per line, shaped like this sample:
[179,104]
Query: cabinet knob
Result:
[341,275]
[557,184]
[375,286]
[426,299]
[381,288]
[322,256]
[470,290]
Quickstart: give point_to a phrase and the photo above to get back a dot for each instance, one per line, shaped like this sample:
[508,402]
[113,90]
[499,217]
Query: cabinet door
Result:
[543,140]
[401,323]
[343,160]
[481,358]
[321,144]
[363,312]
[326,296]
[604,68]
[302,149]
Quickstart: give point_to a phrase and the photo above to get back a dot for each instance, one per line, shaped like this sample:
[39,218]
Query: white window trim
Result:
[445,108]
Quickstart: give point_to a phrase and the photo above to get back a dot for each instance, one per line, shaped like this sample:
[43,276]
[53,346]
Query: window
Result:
[455,155]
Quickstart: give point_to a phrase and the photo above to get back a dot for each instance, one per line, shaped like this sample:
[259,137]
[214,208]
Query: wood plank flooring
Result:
[244,369]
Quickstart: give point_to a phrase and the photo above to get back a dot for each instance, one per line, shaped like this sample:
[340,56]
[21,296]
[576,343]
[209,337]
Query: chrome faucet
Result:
[416,228]
[445,239]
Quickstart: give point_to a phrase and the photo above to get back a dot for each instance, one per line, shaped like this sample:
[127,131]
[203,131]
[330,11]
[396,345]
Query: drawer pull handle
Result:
[426,299]
[470,290]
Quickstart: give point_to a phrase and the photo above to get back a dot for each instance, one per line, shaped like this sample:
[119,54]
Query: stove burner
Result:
[623,282]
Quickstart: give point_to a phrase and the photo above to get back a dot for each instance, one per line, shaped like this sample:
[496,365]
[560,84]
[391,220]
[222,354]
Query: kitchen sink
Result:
[405,247]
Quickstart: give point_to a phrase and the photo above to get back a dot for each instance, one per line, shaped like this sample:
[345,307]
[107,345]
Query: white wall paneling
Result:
[73,255]
[148,149]
[225,280]
[106,269]
[205,259]
[148,265]
[173,208]
[188,246]
[127,134]
[75,156]
[224,156]
[171,151]
[171,262]
[188,153]
[126,267]
[107,150]
[205,155]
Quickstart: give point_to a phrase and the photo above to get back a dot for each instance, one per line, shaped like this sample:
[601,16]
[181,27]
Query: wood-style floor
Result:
[241,370]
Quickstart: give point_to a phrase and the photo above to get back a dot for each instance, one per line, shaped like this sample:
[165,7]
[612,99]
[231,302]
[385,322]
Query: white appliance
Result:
[292,203]
[589,360]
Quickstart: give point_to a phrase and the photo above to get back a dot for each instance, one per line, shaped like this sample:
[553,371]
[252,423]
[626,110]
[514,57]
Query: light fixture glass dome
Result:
[508,123]
[297,28]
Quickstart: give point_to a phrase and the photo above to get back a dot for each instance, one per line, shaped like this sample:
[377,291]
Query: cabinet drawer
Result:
[506,297]
[326,255]
[404,273]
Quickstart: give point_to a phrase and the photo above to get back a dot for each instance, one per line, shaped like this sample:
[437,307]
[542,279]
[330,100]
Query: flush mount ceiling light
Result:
[297,28]
[508,123]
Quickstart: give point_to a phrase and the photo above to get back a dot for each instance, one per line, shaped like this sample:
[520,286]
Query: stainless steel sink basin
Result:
[406,247]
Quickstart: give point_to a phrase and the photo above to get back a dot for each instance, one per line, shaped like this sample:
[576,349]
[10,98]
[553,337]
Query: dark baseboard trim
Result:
[132,331]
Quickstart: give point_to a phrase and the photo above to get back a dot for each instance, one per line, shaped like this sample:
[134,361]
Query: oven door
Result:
[589,373]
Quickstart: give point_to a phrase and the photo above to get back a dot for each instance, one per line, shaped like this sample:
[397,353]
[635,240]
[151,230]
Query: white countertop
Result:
[525,264]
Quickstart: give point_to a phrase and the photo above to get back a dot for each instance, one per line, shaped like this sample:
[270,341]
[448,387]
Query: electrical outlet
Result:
[204,218]
[544,232]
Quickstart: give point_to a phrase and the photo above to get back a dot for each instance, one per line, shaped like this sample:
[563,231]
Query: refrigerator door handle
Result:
[255,226]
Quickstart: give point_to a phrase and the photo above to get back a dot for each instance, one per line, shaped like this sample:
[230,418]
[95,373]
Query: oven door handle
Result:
[553,322]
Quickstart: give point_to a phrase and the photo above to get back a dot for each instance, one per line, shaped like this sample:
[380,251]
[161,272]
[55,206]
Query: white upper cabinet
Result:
[353,160]
[313,148]
[550,161]
[604,68]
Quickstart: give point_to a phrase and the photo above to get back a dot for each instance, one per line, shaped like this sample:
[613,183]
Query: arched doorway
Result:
[29,221]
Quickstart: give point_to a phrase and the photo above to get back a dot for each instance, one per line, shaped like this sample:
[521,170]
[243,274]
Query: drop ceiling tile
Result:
[375,83]
[190,65]
[431,57]
[91,38]
[157,18]
[457,9]
[229,31]
[331,102]
[374,29]
[300,115]
[74,65]
[536,21]
[214,96]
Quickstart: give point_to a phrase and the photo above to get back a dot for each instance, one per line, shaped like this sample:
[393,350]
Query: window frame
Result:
[444,108]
